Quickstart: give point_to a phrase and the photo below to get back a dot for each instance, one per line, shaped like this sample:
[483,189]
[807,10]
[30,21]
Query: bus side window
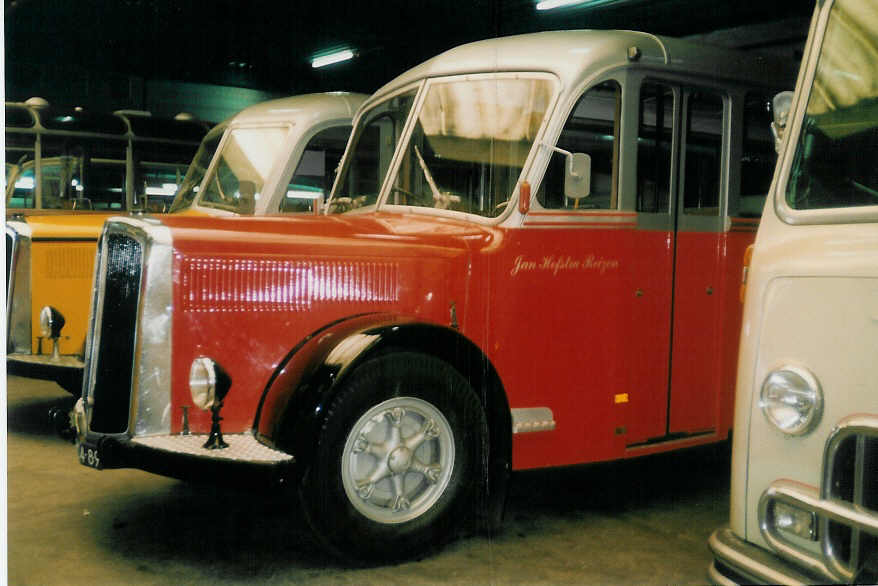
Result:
[159,169]
[92,169]
[703,154]
[315,172]
[592,128]
[654,142]
[23,192]
[20,169]
[758,158]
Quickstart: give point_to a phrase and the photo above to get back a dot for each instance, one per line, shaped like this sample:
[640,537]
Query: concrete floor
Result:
[638,522]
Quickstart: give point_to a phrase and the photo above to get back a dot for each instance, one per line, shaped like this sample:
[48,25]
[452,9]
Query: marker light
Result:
[792,400]
[331,58]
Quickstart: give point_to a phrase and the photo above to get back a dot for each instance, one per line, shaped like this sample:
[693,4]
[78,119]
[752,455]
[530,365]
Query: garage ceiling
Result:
[268,45]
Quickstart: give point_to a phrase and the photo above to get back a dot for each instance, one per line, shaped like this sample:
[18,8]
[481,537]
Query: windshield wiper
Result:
[443,200]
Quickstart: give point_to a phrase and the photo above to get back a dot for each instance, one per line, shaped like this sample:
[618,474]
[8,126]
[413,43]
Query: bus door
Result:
[698,264]
[674,379]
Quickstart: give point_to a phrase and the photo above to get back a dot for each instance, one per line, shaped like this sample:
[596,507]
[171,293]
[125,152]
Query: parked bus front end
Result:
[531,259]
[804,495]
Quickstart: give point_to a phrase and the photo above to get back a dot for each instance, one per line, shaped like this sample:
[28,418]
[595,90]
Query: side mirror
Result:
[577,176]
[82,203]
[781,105]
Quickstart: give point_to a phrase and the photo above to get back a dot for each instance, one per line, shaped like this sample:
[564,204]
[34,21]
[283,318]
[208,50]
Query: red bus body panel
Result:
[626,334]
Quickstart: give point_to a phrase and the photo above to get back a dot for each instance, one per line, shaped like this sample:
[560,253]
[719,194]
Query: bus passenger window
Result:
[703,155]
[19,167]
[654,138]
[74,170]
[159,171]
[315,172]
[593,128]
[372,149]
[759,158]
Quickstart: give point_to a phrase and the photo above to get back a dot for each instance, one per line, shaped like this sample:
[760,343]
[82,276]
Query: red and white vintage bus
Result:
[532,258]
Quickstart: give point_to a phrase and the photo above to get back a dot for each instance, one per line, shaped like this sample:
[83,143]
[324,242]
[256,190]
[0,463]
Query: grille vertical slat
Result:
[117,335]
[853,480]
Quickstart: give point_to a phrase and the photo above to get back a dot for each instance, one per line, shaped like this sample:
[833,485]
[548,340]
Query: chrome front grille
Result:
[845,537]
[851,477]
[114,332]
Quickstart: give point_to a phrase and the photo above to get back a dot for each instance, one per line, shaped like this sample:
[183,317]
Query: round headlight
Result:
[792,400]
[202,382]
[51,322]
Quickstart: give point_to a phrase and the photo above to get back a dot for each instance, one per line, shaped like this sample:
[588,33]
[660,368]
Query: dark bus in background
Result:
[74,159]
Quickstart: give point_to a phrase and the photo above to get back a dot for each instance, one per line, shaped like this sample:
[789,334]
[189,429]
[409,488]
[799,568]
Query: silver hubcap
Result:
[397,460]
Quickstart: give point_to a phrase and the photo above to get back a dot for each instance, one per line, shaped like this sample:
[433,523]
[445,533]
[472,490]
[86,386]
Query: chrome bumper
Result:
[64,370]
[739,562]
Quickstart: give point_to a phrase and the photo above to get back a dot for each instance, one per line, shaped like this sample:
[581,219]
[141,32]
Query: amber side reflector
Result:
[524,198]
[745,270]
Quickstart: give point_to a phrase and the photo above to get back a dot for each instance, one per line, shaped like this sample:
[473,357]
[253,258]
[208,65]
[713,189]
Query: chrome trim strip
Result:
[532,419]
[567,218]
[151,380]
[18,297]
[151,377]
[717,578]
[753,563]
[92,332]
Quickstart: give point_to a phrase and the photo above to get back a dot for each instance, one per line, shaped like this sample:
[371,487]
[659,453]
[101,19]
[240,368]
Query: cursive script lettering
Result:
[566,263]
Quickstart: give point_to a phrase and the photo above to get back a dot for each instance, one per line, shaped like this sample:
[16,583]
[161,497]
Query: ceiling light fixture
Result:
[329,59]
[549,4]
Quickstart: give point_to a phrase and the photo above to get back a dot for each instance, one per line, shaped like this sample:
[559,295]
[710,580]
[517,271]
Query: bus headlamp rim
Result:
[791,399]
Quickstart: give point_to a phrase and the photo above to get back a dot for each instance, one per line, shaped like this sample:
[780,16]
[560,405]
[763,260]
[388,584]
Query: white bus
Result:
[804,495]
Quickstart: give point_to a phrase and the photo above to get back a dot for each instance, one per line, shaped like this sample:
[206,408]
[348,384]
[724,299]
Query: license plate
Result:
[89,455]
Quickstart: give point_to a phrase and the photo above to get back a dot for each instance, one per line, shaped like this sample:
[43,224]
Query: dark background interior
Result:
[217,56]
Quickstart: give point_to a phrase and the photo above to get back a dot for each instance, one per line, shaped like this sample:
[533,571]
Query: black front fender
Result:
[291,411]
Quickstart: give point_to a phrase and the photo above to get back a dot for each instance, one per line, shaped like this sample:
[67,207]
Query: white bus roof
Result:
[578,54]
[307,109]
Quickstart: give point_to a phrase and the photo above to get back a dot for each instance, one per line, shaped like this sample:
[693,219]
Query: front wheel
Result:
[398,461]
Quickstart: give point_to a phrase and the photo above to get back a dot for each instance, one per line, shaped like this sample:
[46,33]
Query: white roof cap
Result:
[576,54]
[306,108]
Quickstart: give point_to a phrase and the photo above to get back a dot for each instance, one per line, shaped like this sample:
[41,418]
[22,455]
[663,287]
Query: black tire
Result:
[382,409]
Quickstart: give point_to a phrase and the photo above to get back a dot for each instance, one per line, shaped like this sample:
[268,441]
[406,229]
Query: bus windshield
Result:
[469,143]
[191,183]
[834,165]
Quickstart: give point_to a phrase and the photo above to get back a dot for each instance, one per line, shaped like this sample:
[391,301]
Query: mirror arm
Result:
[567,154]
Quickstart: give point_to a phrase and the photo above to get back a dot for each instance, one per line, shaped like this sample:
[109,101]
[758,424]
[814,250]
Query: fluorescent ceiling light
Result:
[549,4]
[167,189]
[304,194]
[331,58]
